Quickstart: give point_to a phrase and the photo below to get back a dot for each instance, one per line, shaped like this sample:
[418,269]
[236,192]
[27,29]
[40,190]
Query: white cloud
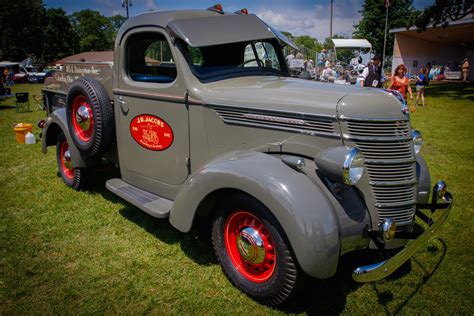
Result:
[151,5]
[315,22]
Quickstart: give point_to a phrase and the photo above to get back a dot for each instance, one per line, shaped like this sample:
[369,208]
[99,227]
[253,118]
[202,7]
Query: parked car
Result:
[30,74]
[291,174]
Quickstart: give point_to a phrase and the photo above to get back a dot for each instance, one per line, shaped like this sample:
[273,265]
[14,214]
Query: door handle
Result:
[123,107]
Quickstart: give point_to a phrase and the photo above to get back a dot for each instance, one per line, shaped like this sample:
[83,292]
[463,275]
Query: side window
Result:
[149,58]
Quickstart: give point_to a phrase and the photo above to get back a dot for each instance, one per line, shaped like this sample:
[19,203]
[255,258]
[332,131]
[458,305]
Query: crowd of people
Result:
[372,76]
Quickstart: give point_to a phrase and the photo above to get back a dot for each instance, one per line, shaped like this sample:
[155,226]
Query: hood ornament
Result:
[399,96]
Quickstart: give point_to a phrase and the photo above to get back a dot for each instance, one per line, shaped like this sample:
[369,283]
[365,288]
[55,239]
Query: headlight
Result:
[341,164]
[417,141]
[353,167]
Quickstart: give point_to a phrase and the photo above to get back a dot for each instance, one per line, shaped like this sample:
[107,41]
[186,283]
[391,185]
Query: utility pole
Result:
[126,4]
[330,23]
[387,4]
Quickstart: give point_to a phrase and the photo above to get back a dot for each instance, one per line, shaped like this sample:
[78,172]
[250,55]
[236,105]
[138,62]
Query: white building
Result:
[439,45]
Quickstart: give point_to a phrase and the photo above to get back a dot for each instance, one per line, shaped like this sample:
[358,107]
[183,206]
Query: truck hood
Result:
[275,94]
[301,96]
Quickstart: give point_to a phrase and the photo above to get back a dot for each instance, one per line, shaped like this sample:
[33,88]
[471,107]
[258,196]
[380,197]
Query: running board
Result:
[150,203]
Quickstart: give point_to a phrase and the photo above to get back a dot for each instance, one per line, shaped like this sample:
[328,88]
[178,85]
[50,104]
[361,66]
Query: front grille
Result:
[390,163]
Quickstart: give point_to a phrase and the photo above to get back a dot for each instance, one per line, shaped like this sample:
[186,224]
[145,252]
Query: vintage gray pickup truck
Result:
[199,113]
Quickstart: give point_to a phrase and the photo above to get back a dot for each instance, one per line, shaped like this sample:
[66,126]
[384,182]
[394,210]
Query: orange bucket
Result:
[21,130]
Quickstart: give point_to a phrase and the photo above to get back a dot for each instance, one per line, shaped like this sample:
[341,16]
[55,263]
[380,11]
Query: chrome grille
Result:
[390,163]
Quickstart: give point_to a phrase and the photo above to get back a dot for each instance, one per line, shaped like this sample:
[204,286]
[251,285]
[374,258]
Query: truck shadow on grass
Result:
[317,297]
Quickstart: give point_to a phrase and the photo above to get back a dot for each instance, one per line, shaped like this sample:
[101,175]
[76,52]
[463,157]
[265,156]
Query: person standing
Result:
[290,57]
[465,69]
[372,75]
[401,83]
[428,71]
[421,83]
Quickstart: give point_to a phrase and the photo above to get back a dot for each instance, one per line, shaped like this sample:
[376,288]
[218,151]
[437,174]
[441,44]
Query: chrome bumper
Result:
[380,270]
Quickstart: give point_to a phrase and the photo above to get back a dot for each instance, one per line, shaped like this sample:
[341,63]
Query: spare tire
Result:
[90,117]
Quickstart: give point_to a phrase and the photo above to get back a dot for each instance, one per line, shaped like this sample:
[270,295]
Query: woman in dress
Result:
[401,83]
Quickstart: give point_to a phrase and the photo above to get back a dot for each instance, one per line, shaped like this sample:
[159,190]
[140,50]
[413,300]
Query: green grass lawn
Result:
[67,252]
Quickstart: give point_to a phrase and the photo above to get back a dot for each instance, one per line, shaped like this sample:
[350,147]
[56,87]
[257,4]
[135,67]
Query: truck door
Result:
[151,114]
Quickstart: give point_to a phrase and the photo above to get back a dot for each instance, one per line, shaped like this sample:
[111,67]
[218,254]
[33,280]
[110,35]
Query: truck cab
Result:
[201,117]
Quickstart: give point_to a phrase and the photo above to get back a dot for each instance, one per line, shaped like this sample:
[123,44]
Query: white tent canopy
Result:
[351,43]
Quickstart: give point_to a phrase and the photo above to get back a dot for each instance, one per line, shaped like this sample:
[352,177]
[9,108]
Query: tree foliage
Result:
[328,44]
[93,29]
[372,24]
[308,42]
[441,13]
[21,30]
[27,29]
[60,38]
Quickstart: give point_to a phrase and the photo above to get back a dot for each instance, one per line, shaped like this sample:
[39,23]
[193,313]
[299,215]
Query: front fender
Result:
[55,124]
[301,208]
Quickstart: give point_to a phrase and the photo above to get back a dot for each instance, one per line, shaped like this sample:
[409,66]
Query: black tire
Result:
[75,178]
[270,289]
[90,96]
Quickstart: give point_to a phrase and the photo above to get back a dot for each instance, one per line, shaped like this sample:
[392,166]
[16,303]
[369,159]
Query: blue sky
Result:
[299,17]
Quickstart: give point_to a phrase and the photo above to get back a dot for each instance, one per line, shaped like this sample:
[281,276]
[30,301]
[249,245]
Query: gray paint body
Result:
[225,139]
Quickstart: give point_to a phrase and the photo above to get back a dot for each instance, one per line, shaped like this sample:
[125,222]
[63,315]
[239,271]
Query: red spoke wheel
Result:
[249,246]
[72,177]
[90,117]
[253,250]
[82,118]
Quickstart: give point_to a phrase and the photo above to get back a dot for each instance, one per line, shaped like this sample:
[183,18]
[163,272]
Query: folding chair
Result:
[39,102]
[22,101]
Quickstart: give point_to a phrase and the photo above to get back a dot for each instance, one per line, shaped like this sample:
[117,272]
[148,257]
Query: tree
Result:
[328,44]
[372,24]
[93,29]
[308,42]
[116,22]
[441,13]
[60,39]
[21,23]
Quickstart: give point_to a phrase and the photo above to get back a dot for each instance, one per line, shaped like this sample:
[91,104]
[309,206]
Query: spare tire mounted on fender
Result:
[90,117]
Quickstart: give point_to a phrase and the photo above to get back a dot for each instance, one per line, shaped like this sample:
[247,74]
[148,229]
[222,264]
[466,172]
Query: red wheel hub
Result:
[82,118]
[65,160]
[249,246]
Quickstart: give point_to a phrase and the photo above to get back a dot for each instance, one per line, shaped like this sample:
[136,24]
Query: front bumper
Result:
[380,270]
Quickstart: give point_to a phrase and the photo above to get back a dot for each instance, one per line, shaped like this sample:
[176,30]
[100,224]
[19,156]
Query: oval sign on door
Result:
[151,132]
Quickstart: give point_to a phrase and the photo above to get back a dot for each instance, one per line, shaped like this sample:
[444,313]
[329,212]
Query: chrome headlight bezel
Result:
[353,167]
[342,164]
[417,141]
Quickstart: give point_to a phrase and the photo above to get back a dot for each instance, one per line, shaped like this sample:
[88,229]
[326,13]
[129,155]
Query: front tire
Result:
[75,178]
[253,250]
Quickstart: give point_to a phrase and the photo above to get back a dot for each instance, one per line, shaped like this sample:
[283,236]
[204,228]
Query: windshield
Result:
[251,58]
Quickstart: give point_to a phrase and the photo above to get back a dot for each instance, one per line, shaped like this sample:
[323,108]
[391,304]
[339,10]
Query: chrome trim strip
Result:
[300,115]
[281,128]
[393,184]
[365,119]
[389,162]
[380,270]
[395,204]
[377,139]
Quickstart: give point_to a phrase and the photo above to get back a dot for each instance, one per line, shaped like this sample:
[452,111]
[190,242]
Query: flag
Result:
[387,3]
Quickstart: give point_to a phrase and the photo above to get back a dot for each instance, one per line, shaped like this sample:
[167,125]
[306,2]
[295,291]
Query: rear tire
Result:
[75,178]
[90,117]
[253,250]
